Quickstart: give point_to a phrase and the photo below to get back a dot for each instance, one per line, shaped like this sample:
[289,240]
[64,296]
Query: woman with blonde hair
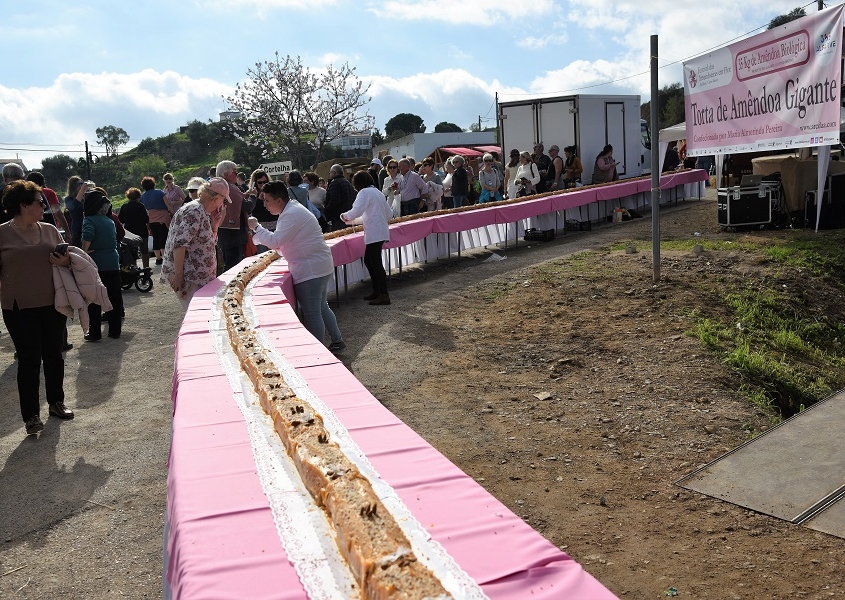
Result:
[527,175]
[390,189]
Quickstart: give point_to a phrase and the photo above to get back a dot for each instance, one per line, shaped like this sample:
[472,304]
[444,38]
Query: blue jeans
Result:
[459,201]
[316,314]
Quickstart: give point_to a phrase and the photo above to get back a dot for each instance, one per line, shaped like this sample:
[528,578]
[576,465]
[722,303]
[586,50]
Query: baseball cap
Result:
[376,161]
[218,185]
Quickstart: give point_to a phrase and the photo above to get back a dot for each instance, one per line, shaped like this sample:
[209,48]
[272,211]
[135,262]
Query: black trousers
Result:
[110,279]
[37,335]
[372,260]
[231,242]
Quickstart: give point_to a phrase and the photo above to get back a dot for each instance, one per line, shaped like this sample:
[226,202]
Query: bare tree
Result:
[286,108]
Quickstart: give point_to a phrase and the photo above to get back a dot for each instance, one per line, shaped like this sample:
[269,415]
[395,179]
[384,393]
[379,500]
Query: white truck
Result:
[587,121]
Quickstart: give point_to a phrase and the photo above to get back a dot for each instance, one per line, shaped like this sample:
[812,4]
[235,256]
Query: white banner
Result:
[778,89]
[277,168]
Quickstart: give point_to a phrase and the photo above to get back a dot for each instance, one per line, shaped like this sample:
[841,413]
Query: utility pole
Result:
[479,123]
[87,161]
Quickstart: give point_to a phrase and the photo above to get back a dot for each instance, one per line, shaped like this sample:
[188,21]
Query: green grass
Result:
[785,356]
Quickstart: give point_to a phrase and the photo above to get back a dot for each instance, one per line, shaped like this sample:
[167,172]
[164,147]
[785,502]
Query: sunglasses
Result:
[393,168]
[261,182]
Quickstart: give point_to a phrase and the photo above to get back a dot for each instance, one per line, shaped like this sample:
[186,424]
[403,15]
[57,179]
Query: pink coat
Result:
[78,286]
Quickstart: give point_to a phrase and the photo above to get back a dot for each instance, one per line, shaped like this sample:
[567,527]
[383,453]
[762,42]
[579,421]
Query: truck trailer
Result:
[587,121]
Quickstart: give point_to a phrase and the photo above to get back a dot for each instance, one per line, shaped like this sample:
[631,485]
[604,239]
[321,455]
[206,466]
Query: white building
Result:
[354,142]
[420,145]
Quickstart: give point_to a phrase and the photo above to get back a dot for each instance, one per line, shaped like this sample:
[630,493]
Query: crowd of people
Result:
[197,233]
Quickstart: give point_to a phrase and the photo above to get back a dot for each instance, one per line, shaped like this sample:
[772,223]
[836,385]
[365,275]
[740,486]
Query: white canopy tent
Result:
[679,132]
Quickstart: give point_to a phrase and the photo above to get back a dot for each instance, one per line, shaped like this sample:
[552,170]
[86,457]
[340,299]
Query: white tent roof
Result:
[673,133]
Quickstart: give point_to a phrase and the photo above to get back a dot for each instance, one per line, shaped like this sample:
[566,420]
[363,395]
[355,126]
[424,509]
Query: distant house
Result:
[354,143]
[6,161]
[420,145]
[230,115]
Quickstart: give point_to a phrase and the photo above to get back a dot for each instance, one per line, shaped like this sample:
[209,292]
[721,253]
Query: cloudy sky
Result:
[150,66]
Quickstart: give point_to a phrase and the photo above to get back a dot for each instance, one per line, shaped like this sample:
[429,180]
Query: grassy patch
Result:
[786,355]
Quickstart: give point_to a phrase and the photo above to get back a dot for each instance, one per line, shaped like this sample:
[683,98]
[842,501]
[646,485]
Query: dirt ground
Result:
[570,392]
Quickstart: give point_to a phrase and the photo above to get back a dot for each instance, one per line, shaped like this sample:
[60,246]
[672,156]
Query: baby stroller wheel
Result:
[144,284]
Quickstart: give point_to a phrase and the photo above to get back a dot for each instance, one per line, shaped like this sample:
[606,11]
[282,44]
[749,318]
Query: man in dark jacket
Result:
[543,163]
[339,198]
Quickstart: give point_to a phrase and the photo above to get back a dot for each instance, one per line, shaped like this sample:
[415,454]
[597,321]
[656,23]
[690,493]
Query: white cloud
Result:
[59,118]
[538,42]
[452,95]
[480,13]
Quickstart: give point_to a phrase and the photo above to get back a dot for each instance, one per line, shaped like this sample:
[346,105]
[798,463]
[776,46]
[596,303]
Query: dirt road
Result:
[630,404]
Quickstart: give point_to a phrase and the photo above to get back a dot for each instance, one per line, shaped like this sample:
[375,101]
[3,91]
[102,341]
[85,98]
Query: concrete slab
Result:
[795,471]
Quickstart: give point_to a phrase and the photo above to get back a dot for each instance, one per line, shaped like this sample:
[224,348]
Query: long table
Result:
[221,541]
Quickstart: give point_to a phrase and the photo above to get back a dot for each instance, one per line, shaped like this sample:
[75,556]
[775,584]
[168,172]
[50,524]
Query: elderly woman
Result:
[160,213]
[375,214]
[299,239]
[460,182]
[28,251]
[136,220]
[489,178]
[190,258]
[99,240]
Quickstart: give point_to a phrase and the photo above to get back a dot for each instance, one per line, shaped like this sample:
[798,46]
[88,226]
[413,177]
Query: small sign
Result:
[277,168]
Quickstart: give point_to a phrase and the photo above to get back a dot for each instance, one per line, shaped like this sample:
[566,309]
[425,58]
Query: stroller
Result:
[129,249]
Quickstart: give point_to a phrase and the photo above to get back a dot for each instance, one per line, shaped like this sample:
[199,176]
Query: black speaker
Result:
[743,206]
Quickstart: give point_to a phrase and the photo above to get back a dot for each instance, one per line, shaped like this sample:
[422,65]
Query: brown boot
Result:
[381,300]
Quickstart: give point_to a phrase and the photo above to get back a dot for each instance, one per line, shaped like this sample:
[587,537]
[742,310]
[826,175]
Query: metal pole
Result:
[87,161]
[655,168]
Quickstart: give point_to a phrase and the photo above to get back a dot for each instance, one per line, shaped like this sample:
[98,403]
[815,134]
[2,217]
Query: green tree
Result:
[403,124]
[446,127]
[111,137]
[377,138]
[287,108]
[58,169]
[670,107]
[200,134]
[795,13]
[143,166]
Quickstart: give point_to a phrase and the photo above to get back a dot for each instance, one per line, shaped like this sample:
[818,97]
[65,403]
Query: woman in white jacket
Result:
[374,212]
[391,187]
[527,175]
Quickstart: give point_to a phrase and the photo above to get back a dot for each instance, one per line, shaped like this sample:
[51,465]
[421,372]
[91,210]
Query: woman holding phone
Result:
[29,248]
[604,170]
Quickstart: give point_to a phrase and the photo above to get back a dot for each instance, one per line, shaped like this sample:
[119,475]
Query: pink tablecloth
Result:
[221,541]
